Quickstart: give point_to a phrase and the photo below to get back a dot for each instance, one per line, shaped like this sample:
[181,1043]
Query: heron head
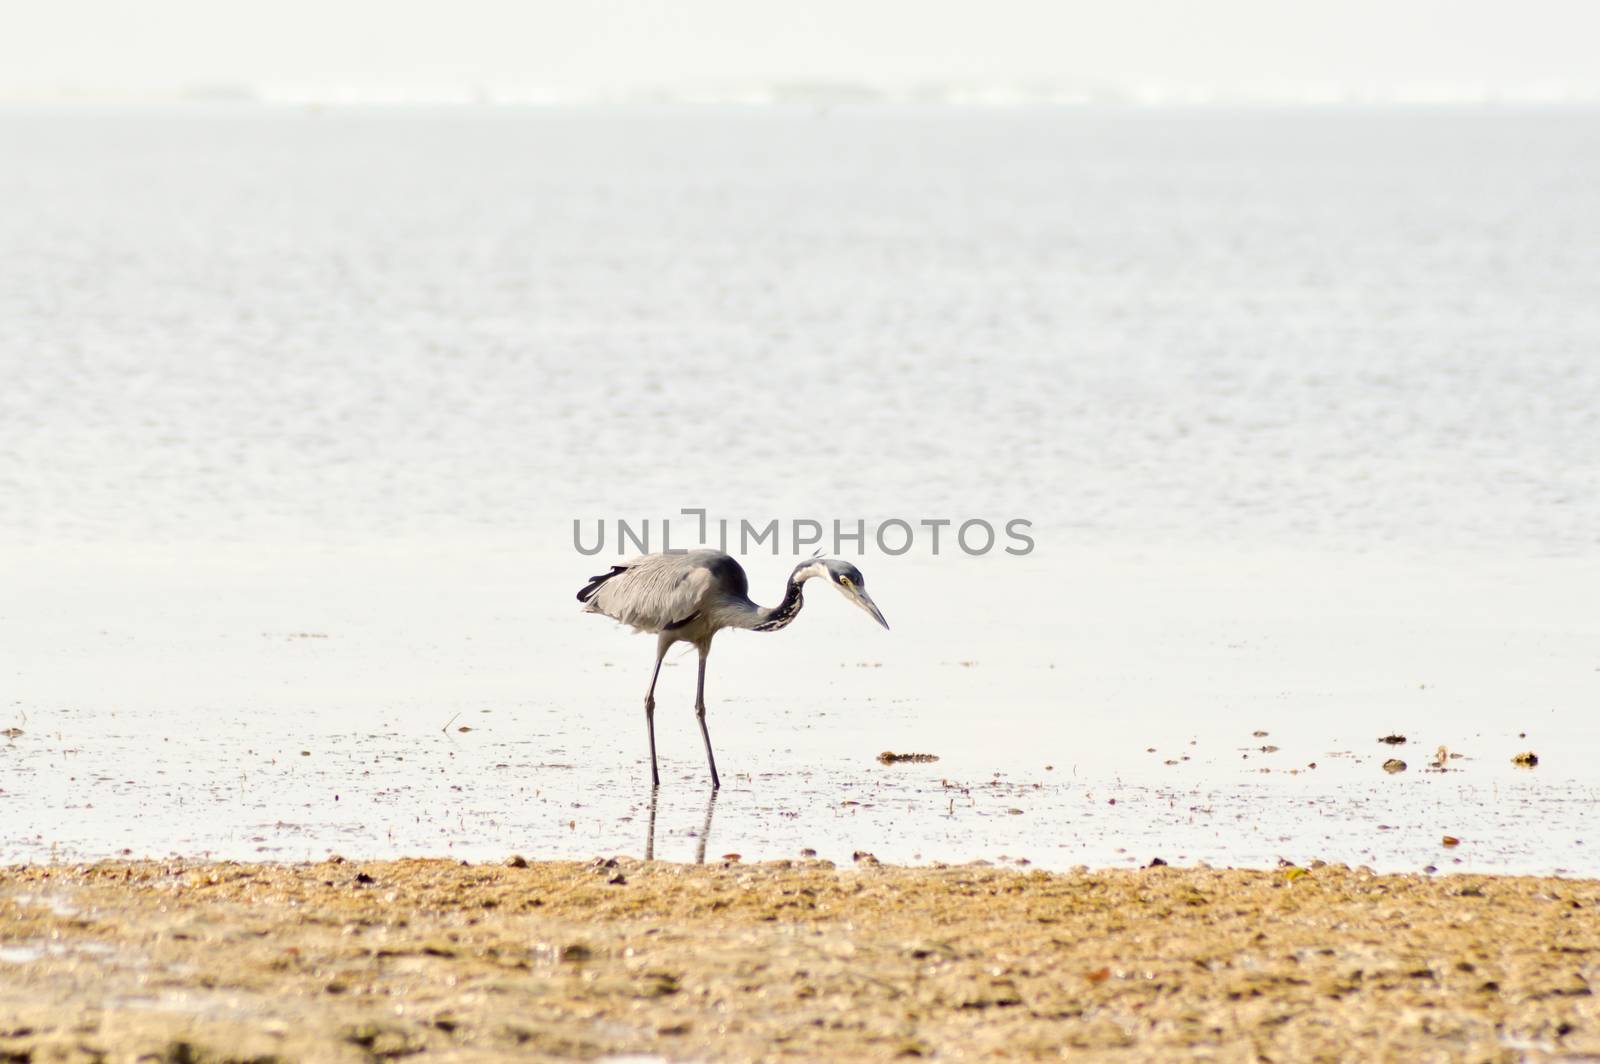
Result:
[848,579]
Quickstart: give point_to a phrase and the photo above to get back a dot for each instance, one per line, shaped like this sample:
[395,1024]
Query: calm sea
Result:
[1363,329]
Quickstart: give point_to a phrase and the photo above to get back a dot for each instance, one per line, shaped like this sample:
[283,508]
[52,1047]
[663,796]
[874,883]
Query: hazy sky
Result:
[156,44]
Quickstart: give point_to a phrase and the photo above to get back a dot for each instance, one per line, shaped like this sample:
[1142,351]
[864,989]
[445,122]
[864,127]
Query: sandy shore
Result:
[346,960]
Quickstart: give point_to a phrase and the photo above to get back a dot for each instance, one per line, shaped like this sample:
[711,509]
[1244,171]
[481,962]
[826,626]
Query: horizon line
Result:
[821,93]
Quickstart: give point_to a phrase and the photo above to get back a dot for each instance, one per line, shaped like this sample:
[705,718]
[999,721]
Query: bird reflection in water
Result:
[705,828]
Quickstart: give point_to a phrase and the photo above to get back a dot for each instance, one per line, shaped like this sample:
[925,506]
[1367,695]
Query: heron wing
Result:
[657,592]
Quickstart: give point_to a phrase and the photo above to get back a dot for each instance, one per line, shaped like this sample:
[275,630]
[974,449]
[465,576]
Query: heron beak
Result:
[864,600]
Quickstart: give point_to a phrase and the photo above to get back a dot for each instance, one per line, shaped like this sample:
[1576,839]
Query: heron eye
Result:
[845,580]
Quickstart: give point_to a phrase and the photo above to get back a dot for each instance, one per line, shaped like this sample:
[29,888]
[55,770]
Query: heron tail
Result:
[594,583]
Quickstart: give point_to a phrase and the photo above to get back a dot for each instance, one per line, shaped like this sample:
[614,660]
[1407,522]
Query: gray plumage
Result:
[689,597]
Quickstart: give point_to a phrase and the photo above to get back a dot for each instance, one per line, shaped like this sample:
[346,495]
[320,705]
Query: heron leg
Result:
[650,711]
[700,712]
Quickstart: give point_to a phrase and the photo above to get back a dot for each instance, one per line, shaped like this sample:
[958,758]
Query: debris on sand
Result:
[1393,739]
[889,757]
[1526,759]
[1451,840]
[12,733]
[1393,765]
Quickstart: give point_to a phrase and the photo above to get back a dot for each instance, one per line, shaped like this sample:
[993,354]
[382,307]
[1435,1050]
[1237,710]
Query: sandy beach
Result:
[434,959]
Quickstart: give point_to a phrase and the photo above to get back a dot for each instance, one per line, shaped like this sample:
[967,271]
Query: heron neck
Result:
[772,618]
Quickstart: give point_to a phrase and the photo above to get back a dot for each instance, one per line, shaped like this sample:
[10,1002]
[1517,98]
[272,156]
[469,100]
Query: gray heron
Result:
[690,596]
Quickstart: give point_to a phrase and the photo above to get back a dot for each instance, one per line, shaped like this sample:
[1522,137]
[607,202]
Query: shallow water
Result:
[331,714]
[301,408]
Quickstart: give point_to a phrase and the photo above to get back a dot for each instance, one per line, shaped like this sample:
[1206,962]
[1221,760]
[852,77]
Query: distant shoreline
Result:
[824,99]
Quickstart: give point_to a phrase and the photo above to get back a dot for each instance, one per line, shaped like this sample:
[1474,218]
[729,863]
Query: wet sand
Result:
[445,960]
